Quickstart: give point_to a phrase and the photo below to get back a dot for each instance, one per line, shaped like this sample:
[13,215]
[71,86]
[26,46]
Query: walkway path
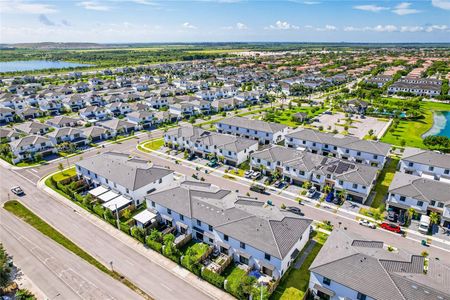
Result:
[305,254]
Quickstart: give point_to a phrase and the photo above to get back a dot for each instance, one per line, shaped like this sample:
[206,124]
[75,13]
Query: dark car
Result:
[391,227]
[17,190]
[257,188]
[295,210]
[329,197]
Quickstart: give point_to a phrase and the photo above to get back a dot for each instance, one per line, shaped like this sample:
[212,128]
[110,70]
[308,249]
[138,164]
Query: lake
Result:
[441,124]
[31,65]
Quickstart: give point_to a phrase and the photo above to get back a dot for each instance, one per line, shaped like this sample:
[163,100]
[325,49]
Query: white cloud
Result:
[370,7]
[19,6]
[393,28]
[404,8]
[188,25]
[411,28]
[437,28]
[311,2]
[145,2]
[443,4]
[241,26]
[92,5]
[282,25]
[325,28]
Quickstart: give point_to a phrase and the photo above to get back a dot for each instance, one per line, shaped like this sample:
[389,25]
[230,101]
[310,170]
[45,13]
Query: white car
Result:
[366,223]
[256,175]
[311,192]
[248,173]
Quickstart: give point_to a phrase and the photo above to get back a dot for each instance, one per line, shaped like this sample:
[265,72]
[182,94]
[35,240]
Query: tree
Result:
[5,269]
[24,294]
[326,189]
[411,213]
[60,167]
[138,233]
[126,213]
[307,185]
[434,218]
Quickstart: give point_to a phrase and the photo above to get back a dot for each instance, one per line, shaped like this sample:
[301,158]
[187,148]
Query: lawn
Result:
[66,174]
[295,282]
[234,278]
[411,131]
[23,213]
[155,144]
[383,182]
[285,116]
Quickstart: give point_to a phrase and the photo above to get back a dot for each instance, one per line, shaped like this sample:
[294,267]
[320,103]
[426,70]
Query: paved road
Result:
[57,272]
[149,276]
[410,244]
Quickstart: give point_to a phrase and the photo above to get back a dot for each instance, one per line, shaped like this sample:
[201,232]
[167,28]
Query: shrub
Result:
[138,233]
[157,246]
[125,228]
[213,278]
[99,210]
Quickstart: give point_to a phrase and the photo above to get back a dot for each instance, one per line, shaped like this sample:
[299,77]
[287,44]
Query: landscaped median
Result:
[154,145]
[20,211]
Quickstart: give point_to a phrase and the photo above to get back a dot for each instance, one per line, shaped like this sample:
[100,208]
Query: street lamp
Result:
[111,264]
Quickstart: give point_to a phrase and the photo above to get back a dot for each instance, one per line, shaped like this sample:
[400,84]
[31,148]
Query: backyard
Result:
[383,182]
[285,116]
[409,132]
[295,282]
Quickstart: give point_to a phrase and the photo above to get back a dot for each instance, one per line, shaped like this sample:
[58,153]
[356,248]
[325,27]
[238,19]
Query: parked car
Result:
[391,227]
[294,210]
[311,192]
[366,223]
[278,184]
[17,190]
[255,175]
[212,163]
[392,216]
[248,173]
[258,188]
[329,197]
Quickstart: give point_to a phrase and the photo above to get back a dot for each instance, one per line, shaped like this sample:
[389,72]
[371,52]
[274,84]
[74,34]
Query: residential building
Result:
[68,134]
[63,121]
[353,267]
[350,148]
[426,163]
[417,86]
[264,132]
[254,234]
[28,147]
[129,176]
[233,150]
[32,127]
[422,194]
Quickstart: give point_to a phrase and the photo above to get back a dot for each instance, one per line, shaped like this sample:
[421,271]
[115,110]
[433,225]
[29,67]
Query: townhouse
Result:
[298,167]
[350,148]
[350,266]
[63,121]
[379,80]
[30,113]
[118,108]
[95,133]
[426,163]
[264,132]
[117,126]
[252,233]
[142,118]
[424,195]
[233,150]
[28,147]
[6,115]
[67,134]
[32,127]
[417,86]
[128,176]
[74,102]
[8,135]
[94,113]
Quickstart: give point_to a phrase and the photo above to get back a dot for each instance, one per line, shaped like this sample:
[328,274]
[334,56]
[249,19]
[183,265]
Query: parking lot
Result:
[359,127]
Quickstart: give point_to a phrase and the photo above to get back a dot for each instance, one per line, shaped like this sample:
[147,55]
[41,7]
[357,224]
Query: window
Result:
[355,186]
[433,203]
[419,203]
[410,164]
[225,237]
[267,256]
[153,204]
[431,168]
[335,148]
[304,142]
[287,168]
[447,171]
[210,228]
[341,182]
[402,198]
[360,296]
[199,223]
[169,211]
[328,176]
[181,217]
[326,146]
[347,151]
[358,153]
[440,204]
[211,240]
[242,245]
[375,157]
[314,144]
[326,281]
[318,176]
[128,191]
[89,172]
[115,185]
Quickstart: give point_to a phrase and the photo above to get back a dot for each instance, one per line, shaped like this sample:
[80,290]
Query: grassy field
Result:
[411,131]
[152,145]
[384,180]
[23,213]
[285,116]
[295,282]
[66,174]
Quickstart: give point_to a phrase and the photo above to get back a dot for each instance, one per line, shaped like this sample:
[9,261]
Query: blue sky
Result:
[224,20]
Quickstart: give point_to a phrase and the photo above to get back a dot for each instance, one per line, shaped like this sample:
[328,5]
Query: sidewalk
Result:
[154,257]
[290,196]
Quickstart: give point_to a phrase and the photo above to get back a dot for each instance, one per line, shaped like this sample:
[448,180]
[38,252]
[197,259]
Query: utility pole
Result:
[117,218]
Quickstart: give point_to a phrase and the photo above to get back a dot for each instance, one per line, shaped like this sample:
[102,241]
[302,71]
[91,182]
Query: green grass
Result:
[147,146]
[234,278]
[285,116]
[384,180]
[411,131]
[66,174]
[295,282]
[23,213]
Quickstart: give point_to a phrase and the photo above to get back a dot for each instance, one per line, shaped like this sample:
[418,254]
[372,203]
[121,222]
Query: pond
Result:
[31,65]
[441,124]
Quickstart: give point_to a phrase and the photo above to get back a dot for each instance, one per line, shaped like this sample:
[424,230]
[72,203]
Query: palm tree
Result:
[326,189]
[411,213]
[434,218]
[306,185]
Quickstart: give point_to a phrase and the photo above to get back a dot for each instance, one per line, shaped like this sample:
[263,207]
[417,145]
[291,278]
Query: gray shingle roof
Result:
[339,140]
[378,273]
[253,124]
[132,173]
[245,219]
[427,157]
